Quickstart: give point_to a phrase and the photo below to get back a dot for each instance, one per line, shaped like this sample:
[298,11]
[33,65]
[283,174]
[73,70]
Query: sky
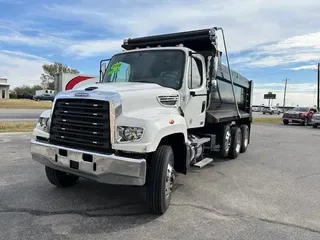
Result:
[268,40]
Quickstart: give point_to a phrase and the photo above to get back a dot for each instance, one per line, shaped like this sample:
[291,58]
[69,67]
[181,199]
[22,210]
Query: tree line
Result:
[46,78]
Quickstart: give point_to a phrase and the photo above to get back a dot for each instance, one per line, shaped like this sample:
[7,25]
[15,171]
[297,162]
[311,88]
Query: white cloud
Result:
[22,54]
[303,94]
[305,67]
[143,18]
[92,48]
[21,68]
[237,18]
[298,49]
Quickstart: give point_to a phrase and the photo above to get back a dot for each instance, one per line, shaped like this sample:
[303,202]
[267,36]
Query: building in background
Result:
[4,88]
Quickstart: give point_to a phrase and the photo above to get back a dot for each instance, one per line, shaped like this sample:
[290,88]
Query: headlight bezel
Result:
[44,124]
[133,130]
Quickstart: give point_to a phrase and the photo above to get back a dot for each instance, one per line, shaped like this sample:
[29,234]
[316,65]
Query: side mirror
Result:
[103,68]
[214,85]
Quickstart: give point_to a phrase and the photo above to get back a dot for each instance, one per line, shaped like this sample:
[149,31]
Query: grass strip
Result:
[17,126]
[24,104]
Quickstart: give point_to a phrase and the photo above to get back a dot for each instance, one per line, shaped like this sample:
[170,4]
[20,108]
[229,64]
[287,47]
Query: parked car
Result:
[44,97]
[271,110]
[24,96]
[302,115]
[315,120]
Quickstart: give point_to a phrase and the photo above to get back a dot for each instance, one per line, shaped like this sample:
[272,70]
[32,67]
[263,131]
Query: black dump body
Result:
[222,105]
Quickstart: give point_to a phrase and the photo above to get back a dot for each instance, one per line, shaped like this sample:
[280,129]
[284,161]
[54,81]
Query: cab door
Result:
[195,109]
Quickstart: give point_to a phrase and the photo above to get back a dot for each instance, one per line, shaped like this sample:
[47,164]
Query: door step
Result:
[199,142]
[203,162]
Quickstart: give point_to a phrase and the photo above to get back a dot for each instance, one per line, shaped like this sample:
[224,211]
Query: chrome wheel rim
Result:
[170,177]
[228,141]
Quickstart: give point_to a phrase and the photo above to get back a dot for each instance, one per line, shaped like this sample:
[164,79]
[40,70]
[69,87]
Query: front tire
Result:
[236,137]
[285,122]
[315,125]
[60,179]
[160,179]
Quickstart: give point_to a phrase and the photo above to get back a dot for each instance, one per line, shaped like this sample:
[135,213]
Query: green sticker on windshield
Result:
[115,68]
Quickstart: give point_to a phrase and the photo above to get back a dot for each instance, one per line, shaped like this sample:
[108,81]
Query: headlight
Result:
[126,133]
[44,124]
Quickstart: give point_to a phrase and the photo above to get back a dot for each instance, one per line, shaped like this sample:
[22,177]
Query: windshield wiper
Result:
[147,82]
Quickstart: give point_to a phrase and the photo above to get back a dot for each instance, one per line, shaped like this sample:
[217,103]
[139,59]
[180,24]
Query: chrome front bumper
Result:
[293,119]
[102,168]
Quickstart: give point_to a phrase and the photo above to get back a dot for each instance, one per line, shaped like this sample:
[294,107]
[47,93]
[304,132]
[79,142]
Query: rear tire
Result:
[245,138]
[285,122]
[160,179]
[236,138]
[315,125]
[60,179]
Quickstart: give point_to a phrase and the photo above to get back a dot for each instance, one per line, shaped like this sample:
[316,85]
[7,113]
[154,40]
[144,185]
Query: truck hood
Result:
[135,96]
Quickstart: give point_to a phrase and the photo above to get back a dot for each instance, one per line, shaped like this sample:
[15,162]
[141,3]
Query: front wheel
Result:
[285,122]
[160,179]
[315,125]
[61,179]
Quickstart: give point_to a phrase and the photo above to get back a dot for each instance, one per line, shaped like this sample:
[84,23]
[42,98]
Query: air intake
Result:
[90,88]
[168,101]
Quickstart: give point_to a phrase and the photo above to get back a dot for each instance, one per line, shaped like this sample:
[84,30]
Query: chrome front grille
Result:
[82,124]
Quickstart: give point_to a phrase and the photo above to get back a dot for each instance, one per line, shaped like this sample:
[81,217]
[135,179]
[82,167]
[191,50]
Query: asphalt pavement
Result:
[269,192]
[20,114]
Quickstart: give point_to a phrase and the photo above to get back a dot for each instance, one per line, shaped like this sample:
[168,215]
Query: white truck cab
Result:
[164,104]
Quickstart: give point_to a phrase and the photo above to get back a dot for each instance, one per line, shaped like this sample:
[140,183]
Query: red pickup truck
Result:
[300,115]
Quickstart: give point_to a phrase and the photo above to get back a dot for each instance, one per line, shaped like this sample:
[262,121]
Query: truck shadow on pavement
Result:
[114,207]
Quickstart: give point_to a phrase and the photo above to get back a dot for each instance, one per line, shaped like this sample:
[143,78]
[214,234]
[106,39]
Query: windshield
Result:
[300,109]
[163,67]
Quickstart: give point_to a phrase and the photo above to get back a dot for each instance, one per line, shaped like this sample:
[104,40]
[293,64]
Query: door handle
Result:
[203,106]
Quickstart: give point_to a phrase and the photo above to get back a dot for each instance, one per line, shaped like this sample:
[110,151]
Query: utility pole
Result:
[318,98]
[284,94]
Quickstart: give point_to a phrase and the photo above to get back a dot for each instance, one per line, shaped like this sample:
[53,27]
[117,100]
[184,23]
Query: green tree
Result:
[51,70]
[27,89]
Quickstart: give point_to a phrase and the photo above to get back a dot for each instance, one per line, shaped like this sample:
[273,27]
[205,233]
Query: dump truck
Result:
[164,104]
